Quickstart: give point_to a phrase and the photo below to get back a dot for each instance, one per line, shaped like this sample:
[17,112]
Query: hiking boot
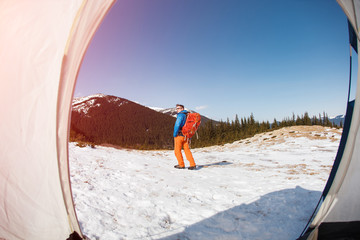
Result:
[179,167]
[192,168]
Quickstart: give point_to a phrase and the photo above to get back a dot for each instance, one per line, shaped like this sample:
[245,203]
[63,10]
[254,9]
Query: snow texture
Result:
[83,104]
[265,187]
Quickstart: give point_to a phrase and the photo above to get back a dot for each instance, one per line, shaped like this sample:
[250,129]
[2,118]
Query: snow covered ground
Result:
[265,187]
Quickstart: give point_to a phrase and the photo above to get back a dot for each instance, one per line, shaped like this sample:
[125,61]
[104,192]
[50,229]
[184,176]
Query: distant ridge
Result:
[338,120]
[172,112]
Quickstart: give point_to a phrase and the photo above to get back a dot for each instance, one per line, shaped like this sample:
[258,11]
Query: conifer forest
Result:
[144,132]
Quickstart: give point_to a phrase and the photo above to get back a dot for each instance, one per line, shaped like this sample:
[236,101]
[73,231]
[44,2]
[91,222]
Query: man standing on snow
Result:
[179,140]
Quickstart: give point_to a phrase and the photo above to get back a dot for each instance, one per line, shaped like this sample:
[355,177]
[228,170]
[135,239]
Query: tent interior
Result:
[39,76]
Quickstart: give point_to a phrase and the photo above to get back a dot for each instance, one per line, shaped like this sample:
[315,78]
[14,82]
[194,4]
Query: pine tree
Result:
[293,122]
[274,124]
[306,119]
[299,121]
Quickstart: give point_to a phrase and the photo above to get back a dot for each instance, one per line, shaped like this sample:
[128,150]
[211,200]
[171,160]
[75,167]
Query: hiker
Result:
[180,141]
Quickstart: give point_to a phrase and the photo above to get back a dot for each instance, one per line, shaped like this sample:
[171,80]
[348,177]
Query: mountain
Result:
[103,119]
[172,112]
[337,120]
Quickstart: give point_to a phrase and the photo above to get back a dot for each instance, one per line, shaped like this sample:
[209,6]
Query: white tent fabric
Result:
[342,204]
[351,9]
[42,46]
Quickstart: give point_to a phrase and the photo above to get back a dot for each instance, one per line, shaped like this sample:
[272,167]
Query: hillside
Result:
[103,119]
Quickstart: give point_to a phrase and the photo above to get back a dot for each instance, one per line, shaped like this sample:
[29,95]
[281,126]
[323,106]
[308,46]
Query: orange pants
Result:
[179,144]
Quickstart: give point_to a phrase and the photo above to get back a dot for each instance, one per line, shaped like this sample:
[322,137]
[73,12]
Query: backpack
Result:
[192,123]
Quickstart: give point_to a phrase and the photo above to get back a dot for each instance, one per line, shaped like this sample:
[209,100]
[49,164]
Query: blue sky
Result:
[223,57]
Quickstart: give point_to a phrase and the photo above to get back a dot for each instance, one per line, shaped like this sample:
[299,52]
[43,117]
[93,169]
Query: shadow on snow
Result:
[217,164]
[280,215]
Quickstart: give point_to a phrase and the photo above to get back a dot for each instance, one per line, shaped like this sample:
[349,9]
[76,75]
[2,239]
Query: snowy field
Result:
[265,187]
